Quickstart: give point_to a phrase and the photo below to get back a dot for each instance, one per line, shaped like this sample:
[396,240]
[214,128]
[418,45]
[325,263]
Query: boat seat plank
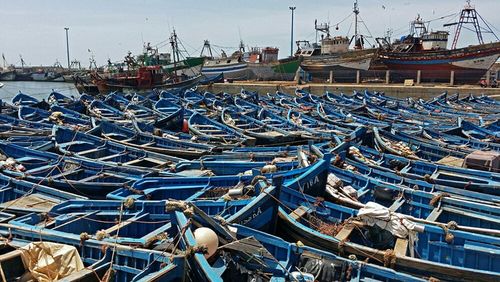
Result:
[400,247]
[113,228]
[433,216]
[79,275]
[66,173]
[299,212]
[89,151]
[204,125]
[397,204]
[109,157]
[28,159]
[40,168]
[10,255]
[148,144]
[345,232]
[76,218]
[210,130]
[159,162]
[91,178]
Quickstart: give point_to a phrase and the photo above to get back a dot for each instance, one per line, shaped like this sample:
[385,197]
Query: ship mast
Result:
[175,51]
[22,62]
[358,39]
[469,15]
[356,13]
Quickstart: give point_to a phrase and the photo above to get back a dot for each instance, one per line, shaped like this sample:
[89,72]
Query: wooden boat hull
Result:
[282,70]
[469,64]
[343,66]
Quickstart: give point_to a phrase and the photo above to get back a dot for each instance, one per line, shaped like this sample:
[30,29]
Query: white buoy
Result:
[206,236]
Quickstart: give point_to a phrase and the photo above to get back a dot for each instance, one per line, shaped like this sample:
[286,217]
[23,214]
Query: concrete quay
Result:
[423,91]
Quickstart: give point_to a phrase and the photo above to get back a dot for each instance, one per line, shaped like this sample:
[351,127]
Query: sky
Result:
[111,28]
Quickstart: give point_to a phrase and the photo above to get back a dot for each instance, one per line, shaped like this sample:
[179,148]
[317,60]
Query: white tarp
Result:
[375,214]
[49,262]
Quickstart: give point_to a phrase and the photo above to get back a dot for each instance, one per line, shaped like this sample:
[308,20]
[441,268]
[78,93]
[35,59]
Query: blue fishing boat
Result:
[117,100]
[274,120]
[168,146]
[59,99]
[433,173]
[99,109]
[54,117]
[74,143]
[408,147]
[79,176]
[257,255]
[248,123]
[219,165]
[97,261]
[355,231]
[21,197]
[458,140]
[199,188]
[12,126]
[215,131]
[22,99]
[326,130]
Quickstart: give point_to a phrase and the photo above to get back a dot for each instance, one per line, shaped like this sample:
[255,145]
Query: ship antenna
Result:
[356,13]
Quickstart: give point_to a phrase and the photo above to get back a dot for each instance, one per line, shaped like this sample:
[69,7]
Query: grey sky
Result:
[110,28]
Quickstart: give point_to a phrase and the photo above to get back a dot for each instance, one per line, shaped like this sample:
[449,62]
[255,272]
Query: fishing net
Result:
[327,228]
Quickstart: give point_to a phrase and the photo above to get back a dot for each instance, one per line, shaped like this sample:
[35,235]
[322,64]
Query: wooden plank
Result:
[122,224]
[345,232]
[66,173]
[89,151]
[10,255]
[401,247]
[80,275]
[107,158]
[451,161]
[76,218]
[436,212]
[397,204]
[299,212]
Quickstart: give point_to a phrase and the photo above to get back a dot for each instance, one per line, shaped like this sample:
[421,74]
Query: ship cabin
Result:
[264,55]
[306,49]
[334,45]
[224,60]
[436,40]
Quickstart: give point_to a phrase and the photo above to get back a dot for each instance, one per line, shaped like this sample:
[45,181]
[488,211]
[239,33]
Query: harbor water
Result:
[39,90]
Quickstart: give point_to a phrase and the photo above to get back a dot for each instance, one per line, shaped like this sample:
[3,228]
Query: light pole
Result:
[291,39]
[67,46]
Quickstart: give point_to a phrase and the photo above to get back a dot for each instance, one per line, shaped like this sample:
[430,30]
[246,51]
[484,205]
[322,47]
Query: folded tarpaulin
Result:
[376,214]
[51,261]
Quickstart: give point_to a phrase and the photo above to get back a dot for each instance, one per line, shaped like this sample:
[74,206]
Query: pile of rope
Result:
[185,207]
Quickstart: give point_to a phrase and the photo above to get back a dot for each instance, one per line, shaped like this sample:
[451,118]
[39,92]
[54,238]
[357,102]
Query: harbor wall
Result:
[394,90]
